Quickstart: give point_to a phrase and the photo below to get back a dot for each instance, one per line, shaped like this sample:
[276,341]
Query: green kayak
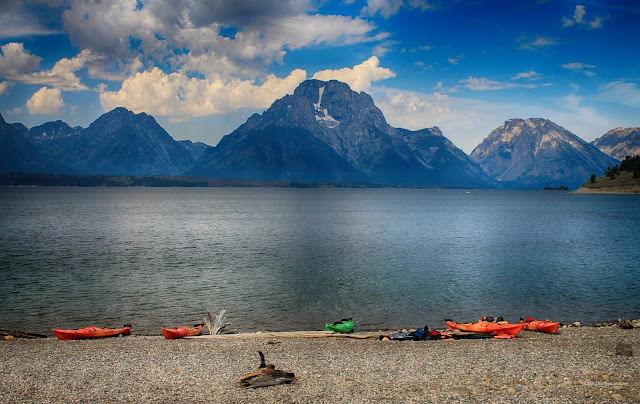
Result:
[343,326]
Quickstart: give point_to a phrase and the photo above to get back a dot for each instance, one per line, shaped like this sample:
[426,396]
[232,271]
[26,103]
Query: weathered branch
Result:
[218,324]
[207,321]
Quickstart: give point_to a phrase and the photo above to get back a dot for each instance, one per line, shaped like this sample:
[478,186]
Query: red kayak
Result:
[91,332]
[179,332]
[486,327]
[543,326]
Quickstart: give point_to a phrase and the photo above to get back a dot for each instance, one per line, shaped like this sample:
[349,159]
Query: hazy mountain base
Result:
[27,179]
[623,184]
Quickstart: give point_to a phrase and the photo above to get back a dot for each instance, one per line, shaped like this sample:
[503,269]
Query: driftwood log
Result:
[266,375]
[291,334]
[218,324]
[20,334]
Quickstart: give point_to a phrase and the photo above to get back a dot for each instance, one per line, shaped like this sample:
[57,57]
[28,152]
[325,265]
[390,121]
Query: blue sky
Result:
[201,68]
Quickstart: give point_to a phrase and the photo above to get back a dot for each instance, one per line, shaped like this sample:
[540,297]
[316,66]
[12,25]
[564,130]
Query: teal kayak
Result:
[343,326]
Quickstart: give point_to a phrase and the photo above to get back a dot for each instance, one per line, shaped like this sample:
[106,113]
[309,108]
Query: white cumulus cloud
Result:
[111,27]
[244,34]
[180,97]
[16,61]
[62,74]
[18,64]
[46,101]
[360,76]
[579,19]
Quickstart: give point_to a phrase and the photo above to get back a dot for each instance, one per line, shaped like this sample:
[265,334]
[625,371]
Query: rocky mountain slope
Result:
[16,152]
[536,152]
[48,139]
[20,128]
[620,142]
[195,149]
[117,143]
[51,132]
[121,142]
[325,131]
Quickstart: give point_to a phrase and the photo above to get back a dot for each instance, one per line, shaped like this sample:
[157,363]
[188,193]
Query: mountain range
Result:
[326,132]
[323,132]
[117,143]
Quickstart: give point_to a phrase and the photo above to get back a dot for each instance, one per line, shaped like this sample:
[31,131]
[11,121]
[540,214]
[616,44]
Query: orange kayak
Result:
[486,327]
[179,332]
[543,326]
[91,332]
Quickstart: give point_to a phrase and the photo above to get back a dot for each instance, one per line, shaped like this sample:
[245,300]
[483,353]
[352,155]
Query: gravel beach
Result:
[579,364]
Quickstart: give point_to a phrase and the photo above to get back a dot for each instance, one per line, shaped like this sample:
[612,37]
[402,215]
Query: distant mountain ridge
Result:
[50,132]
[620,142]
[49,140]
[536,153]
[117,143]
[324,131]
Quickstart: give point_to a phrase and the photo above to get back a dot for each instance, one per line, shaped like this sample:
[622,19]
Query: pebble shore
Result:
[577,365]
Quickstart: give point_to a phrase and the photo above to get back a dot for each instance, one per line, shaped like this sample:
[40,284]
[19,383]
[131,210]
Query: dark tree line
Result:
[630,164]
[43,179]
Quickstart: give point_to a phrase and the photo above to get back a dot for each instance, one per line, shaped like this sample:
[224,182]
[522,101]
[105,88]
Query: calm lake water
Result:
[293,259]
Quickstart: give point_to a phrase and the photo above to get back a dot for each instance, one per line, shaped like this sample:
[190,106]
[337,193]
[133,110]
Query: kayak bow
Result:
[542,326]
[180,332]
[343,326]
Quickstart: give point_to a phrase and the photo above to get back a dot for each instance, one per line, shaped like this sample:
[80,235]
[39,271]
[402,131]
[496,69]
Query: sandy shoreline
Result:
[577,365]
[631,190]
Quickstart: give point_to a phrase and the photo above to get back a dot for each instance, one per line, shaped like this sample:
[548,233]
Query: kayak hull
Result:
[91,332]
[181,332]
[542,326]
[342,327]
[485,327]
